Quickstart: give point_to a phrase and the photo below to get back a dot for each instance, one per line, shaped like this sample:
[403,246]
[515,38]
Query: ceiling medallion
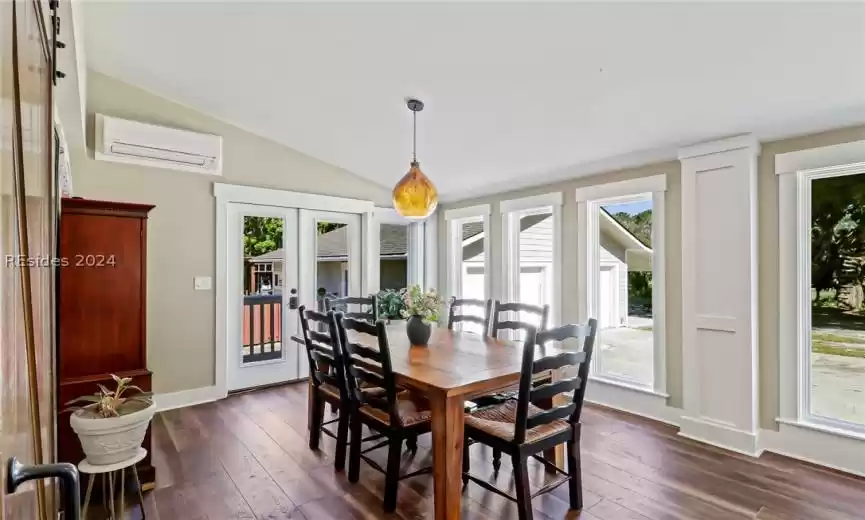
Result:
[414,196]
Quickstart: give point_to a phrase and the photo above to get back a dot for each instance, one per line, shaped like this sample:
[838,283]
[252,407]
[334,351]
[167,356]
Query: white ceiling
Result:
[515,94]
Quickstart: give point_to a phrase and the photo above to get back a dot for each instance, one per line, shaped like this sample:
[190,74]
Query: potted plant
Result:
[111,423]
[391,303]
[421,311]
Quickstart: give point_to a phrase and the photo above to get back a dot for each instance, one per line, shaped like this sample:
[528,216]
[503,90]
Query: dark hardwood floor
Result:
[247,457]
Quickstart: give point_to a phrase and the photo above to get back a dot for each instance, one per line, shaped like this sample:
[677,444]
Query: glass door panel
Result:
[331,260]
[262,273]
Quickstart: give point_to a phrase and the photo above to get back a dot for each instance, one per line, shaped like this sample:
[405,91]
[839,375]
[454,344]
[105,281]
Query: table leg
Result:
[447,436]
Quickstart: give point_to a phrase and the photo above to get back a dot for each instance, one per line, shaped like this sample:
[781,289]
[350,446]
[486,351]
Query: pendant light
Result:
[414,196]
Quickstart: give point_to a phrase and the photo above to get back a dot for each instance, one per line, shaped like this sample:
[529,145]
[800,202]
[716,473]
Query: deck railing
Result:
[262,327]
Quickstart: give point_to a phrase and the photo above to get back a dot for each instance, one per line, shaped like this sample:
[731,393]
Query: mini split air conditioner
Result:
[131,142]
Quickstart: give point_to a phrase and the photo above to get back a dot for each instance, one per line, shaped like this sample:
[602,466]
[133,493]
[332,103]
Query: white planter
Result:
[112,439]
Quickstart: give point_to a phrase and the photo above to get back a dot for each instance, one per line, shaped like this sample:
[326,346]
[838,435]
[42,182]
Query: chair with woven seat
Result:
[397,414]
[458,305]
[365,308]
[327,379]
[523,430]
[501,323]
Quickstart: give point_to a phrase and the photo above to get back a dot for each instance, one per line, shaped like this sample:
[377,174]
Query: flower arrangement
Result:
[112,403]
[425,305]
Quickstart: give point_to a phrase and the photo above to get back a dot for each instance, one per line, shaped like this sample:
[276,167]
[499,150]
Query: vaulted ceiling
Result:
[516,94]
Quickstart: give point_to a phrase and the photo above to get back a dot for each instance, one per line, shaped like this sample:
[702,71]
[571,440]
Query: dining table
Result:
[453,368]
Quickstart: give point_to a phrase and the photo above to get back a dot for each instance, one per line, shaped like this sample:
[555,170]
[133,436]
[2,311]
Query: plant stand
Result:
[111,473]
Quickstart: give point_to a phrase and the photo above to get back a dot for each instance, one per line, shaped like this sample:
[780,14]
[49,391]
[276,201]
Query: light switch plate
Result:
[203,283]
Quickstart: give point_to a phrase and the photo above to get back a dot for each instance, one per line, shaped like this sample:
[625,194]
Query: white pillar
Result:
[719,293]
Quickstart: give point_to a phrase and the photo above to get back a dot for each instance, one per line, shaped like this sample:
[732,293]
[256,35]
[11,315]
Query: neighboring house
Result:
[621,252]
[332,255]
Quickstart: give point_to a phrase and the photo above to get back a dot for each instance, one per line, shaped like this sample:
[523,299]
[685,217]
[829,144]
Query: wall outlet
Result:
[203,283]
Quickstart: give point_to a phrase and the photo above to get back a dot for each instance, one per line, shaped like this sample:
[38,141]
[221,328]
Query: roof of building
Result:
[334,244]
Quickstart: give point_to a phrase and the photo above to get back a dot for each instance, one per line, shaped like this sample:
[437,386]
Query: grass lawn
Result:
[835,344]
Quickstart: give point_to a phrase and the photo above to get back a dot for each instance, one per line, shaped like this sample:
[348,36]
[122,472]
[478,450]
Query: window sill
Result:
[859,436]
[628,386]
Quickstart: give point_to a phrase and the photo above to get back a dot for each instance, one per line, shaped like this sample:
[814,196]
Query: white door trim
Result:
[228,193]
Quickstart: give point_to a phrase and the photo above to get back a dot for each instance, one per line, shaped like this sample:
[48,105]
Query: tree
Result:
[264,234]
[261,235]
[639,224]
[837,234]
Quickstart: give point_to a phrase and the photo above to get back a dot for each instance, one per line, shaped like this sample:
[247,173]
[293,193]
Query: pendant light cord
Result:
[414,137]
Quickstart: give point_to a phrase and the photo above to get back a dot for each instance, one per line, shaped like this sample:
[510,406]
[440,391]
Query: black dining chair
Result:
[456,313]
[523,430]
[327,379]
[357,307]
[501,323]
[397,414]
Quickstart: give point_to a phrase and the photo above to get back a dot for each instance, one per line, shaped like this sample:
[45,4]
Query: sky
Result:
[631,208]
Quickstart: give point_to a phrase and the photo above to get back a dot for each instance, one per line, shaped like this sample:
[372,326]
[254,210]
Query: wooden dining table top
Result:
[457,363]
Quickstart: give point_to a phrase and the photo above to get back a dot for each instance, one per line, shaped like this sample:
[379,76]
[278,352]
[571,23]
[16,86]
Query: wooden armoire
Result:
[102,303]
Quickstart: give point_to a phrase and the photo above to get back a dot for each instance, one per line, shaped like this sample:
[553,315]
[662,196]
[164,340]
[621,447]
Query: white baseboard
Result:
[817,447]
[721,435]
[637,402]
[172,400]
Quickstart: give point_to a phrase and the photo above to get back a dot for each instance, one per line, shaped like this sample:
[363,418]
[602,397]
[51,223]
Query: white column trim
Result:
[748,143]
[739,431]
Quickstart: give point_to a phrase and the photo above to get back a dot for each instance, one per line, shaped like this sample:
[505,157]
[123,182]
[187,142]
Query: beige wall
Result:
[181,233]
[768,254]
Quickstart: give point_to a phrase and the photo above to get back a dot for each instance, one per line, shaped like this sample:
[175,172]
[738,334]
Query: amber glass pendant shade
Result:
[414,196]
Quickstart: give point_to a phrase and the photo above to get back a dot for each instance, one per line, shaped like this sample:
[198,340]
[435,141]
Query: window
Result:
[622,246]
[831,233]
[393,256]
[532,257]
[468,252]
[400,250]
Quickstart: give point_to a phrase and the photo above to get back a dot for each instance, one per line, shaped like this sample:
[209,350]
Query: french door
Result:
[280,258]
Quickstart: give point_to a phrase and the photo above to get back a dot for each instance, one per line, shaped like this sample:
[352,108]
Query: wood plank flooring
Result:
[247,457]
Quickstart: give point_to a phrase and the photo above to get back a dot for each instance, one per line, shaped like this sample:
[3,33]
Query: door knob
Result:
[17,474]
[292,300]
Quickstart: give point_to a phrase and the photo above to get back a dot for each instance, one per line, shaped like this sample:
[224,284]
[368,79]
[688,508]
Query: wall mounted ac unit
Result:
[131,142]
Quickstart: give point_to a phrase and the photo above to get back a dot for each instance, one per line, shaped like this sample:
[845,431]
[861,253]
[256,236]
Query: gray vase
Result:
[418,332]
